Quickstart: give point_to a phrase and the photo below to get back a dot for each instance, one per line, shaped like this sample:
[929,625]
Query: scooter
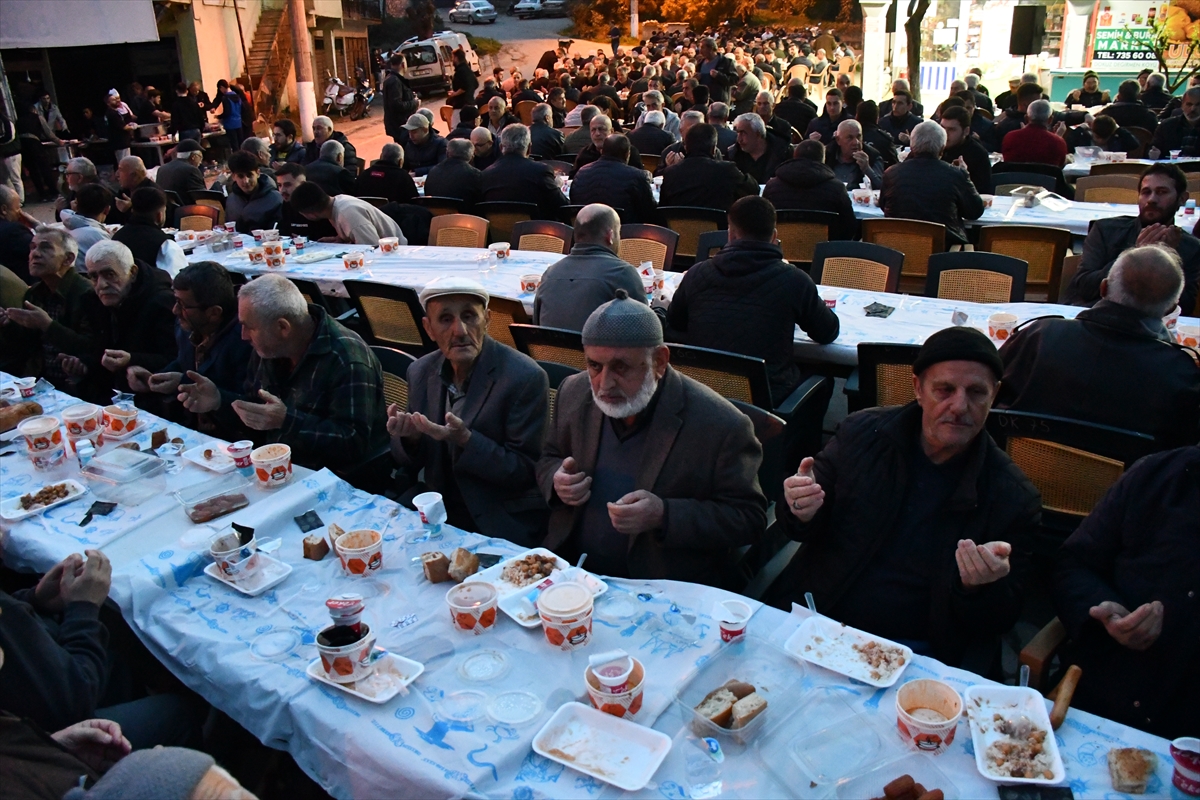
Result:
[338,96]
[363,96]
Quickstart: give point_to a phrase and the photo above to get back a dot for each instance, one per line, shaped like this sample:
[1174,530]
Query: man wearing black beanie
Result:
[917,526]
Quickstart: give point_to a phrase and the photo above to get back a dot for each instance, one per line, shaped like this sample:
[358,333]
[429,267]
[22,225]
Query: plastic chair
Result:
[504,312]
[208,194]
[689,222]
[503,215]
[555,345]
[1043,249]
[395,374]
[439,205]
[1070,265]
[801,231]
[857,265]
[712,240]
[392,316]
[543,235]
[458,230]
[1108,189]
[378,202]
[447,115]
[652,243]
[1059,186]
[917,240]
[1117,168]
[650,162]
[976,277]
[525,111]
[197,218]
[883,377]
[1144,138]
[1004,182]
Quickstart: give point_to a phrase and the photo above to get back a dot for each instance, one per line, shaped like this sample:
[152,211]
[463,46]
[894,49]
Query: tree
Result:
[422,15]
[916,15]
[1173,41]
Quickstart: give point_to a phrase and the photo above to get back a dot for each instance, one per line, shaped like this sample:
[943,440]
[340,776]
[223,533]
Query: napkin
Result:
[878,310]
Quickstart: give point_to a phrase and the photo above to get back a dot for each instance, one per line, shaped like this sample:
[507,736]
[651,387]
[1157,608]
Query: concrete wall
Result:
[209,45]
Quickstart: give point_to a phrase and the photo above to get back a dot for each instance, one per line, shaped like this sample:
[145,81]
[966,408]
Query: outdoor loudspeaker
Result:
[1028,30]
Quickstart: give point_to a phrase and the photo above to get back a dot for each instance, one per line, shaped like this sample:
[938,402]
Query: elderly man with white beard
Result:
[650,473]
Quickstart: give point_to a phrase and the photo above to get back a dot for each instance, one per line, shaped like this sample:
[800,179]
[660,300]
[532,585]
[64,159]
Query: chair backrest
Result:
[1043,249]
[458,230]
[769,429]
[555,375]
[196,218]
[917,240]
[709,241]
[392,315]
[208,194]
[1070,265]
[1116,168]
[216,205]
[801,231]
[439,205]
[857,265]
[1144,138]
[976,277]
[799,71]
[544,235]
[505,311]
[555,345]
[652,243]
[1107,189]
[310,291]
[503,215]
[1005,182]
[885,373]
[395,371]
[378,202]
[1072,463]
[559,167]
[689,222]
[1193,183]
[447,115]
[650,162]
[730,375]
[525,111]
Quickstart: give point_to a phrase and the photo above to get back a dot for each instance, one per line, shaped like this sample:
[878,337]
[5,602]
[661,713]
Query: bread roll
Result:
[315,547]
[747,709]
[717,707]
[463,564]
[740,689]
[1130,769]
[437,566]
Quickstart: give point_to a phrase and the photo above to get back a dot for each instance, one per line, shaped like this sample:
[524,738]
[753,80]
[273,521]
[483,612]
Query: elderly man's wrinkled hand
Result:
[138,379]
[98,743]
[72,366]
[636,512]
[89,582]
[571,484]
[1137,629]
[453,431]
[981,564]
[265,416]
[164,382]
[199,396]
[115,360]
[803,494]
[30,317]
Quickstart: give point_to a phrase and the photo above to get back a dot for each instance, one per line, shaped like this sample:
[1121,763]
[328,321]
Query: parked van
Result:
[429,63]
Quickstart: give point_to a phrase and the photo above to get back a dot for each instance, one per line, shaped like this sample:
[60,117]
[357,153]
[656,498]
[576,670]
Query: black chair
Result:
[378,202]
[554,345]
[503,216]
[883,376]
[1022,179]
[1060,185]
[395,374]
[439,205]
[857,265]
[311,292]
[555,375]
[207,194]
[712,240]
[977,277]
[173,199]
[391,315]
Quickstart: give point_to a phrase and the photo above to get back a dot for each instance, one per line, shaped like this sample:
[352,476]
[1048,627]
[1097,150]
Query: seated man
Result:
[1090,94]
[701,178]
[1125,590]
[356,221]
[926,188]
[312,384]
[286,148]
[425,148]
[581,137]
[262,151]
[834,113]
[484,150]
[899,121]
[182,173]
[649,137]
[323,132]
[892,509]
[781,129]
[1035,143]
[1162,191]
[131,176]
[475,419]
[601,128]
[253,201]
[804,182]
[718,117]
[143,233]
[962,147]
[1115,363]
[292,222]
[571,289]
[544,140]
[92,203]
[327,171]
[650,473]
[1129,111]
[851,159]
[387,177]
[455,177]
[15,233]
[755,153]
[612,180]
[516,178]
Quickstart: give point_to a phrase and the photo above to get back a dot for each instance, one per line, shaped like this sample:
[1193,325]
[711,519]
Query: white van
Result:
[429,63]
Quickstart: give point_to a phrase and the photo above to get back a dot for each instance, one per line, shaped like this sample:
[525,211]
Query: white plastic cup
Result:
[1001,325]
[927,713]
[733,616]
[272,465]
[237,562]
[389,244]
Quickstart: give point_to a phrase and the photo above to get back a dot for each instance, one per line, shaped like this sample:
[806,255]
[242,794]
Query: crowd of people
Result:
[916,525]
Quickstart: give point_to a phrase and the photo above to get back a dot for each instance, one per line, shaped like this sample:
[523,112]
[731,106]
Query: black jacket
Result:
[143,238]
[514,178]
[545,141]
[589,154]
[14,248]
[292,223]
[1177,133]
[1154,98]
[259,209]
[420,158]
[749,280]
[825,126]
[1134,114]
[179,176]
[763,168]
[650,139]
[1107,239]
[312,152]
[704,182]
[1110,365]
[802,183]
[185,115]
[924,188]
[619,185]
[382,179]
[796,112]
[329,176]
[1138,545]
[865,470]
[399,103]
[979,166]
[455,178]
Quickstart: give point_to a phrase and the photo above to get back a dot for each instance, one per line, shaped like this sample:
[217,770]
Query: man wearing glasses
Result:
[79,171]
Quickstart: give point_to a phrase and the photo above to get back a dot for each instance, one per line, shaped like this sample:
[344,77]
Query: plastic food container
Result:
[214,498]
[124,466]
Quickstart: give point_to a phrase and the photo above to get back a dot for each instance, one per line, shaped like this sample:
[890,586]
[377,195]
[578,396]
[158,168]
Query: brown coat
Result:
[701,458]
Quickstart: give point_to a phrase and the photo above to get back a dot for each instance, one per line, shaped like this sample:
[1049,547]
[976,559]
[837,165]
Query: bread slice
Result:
[747,709]
[334,532]
[315,547]
[437,566]
[1130,769]
[463,564]
[740,689]
[717,707]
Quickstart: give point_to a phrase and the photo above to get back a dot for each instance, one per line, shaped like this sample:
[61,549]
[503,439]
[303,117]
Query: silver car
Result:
[472,11]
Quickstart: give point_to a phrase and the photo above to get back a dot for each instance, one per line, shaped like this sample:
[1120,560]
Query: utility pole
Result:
[306,94]
[633,19]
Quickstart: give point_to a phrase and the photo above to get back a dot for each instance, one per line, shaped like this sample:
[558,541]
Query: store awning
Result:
[75,23]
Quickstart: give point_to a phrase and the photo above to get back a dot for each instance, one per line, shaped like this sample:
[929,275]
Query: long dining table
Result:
[465,726]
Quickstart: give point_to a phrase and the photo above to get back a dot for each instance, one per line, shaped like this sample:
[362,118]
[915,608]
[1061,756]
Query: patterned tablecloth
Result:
[248,656]
[1075,218]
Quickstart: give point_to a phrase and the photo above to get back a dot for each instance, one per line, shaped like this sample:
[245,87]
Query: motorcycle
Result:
[363,95]
[338,96]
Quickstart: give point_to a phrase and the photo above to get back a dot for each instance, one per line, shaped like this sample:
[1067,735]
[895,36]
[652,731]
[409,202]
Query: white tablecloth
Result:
[1079,169]
[1076,218]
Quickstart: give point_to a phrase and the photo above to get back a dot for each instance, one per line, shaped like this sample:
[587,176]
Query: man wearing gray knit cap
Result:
[650,473]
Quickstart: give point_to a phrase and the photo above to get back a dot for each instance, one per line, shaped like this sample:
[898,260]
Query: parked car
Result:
[539,8]
[473,11]
[428,63]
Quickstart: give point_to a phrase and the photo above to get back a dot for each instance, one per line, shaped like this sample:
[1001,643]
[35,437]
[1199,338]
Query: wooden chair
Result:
[555,375]
[197,218]
[652,243]
[392,316]
[1193,183]
[857,265]
[1117,168]
[395,374]
[801,231]
[1070,266]
[458,230]
[555,345]
[207,194]
[1060,184]
[439,205]
[1107,189]
[543,235]
[976,277]
[503,215]
[689,222]
[713,240]
[1042,248]
[883,376]
[311,292]
[650,162]
[1144,138]
[447,115]
[917,240]
[525,111]
[378,202]
[504,312]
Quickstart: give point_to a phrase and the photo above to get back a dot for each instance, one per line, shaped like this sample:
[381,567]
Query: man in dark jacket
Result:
[794,108]
[15,235]
[187,119]
[475,419]
[1115,363]
[131,176]
[1126,591]
[328,171]
[649,472]
[1154,97]
[399,102]
[182,173]
[589,276]
[702,180]
[253,201]
[601,128]
[851,159]
[899,123]
[1162,190]
[926,188]
[756,152]
[545,140]
[1129,111]
[515,178]
[916,525]
[825,126]
[715,71]
[613,181]
[387,177]
[1181,132]
[424,149]
[285,148]
[649,137]
[468,120]
[963,148]
[323,132]
[143,234]
[805,183]
[455,177]
[292,222]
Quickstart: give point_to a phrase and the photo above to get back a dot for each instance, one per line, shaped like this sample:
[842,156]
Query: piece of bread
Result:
[1130,769]
[899,787]
[932,794]
[158,438]
[437,566]
[334,532]
[315,547]
[717,707]
[463,564]
[747,709]
[740,689]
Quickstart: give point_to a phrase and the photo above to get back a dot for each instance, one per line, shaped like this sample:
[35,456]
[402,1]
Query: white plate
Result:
[11,509]
[311,258]
[830,644]
[1010,702]
[220,462]
[509,596]
[613,750]
[392,674]
[270,575]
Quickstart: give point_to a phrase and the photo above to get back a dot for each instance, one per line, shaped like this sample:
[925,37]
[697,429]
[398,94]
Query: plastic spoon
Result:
[812,604]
